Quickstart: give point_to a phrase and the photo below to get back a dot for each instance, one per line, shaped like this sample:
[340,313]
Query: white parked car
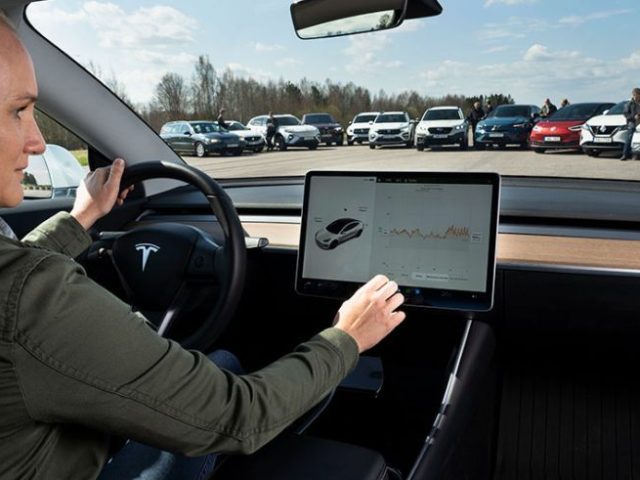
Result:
[605,132]
[442,126]
[635,142]
[392,128]
[358,129]
[254,141]
[290,132]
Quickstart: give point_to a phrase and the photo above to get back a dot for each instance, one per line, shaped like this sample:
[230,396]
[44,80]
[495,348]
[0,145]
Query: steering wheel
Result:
[162,265]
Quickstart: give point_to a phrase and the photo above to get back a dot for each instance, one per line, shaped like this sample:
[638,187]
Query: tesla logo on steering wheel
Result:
[146,249]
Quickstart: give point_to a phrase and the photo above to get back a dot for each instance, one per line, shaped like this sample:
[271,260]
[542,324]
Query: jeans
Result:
[136,461]
[627,144]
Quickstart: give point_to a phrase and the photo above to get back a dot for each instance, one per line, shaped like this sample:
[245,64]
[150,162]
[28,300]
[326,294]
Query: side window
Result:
[60,169]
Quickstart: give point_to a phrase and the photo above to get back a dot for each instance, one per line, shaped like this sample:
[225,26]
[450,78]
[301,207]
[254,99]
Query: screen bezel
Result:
[422,297]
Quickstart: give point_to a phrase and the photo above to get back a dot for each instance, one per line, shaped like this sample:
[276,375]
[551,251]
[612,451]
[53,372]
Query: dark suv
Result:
[200,138]
[330,130]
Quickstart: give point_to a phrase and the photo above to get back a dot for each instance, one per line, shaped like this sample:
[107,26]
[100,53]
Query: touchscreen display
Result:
[434,234]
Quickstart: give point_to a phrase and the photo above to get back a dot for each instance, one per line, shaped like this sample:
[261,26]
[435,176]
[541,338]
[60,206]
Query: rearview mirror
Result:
[332,18]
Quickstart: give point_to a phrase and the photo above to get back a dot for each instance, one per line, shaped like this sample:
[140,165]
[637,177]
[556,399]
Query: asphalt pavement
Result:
[509,161]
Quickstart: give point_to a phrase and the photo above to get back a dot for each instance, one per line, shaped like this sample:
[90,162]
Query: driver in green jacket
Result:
[78,365]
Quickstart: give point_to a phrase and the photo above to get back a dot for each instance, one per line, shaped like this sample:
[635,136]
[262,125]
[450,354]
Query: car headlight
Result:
[575,128]
[522,125]
[459,127]
[214,140]
[422,128]
[338,129]
[537,128]
[480,128]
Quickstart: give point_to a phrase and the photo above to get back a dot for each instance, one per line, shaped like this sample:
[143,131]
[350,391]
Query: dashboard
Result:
[581,225]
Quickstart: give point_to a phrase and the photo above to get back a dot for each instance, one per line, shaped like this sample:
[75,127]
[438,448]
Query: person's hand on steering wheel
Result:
[98,193]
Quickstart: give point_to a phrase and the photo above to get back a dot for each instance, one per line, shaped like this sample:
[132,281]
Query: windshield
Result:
[170,62]
[236,126]
[442,115]
[580,111]
[390,118]
[287,121]
[364,118]
[319,119]
[510,111]
[338,225]
[618,109]
[206,127]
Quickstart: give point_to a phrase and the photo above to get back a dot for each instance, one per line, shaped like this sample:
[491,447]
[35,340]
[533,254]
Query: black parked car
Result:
[330,130]
[201,138]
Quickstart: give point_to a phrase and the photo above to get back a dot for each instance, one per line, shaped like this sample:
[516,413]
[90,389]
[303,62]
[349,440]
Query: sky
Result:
[583,50]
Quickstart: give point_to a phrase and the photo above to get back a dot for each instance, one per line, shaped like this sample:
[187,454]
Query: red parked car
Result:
[562,129]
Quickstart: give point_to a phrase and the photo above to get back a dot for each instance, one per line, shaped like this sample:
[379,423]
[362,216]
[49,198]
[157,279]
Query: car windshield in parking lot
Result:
[391,118]
[206,127]
[578,111]
[510,111]
[617,109]
[442,114]
[364,118]
[288,121]
[319,119]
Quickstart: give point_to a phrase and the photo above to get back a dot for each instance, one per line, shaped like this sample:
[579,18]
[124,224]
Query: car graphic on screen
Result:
[337,232]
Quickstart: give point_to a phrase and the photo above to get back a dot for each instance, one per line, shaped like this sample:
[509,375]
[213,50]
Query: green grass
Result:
[82,156]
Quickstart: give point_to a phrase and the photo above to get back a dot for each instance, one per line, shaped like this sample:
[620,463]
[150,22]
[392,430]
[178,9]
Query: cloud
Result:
[539,73]
[577,20]
[157,26]
[288,62]
[510,3]
[241,70]
[447,70]
[633,61]
[500,48]
[540,53]
[365,52]
[263,47]
[514,27]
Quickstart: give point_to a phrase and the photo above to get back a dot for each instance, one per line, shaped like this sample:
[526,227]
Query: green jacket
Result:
[76,364]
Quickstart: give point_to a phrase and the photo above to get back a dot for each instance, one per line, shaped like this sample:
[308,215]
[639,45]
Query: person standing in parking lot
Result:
[221,121]
[548,109]
[488,108]
[272,128]
[632,114]
[78,365]
[475,115]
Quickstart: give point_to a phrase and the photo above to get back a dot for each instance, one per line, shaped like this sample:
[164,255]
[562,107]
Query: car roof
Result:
[445,108]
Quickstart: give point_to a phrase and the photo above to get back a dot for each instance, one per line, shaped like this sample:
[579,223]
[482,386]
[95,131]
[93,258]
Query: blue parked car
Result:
[507,124]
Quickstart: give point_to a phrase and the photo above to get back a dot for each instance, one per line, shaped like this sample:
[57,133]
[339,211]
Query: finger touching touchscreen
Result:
[433,233]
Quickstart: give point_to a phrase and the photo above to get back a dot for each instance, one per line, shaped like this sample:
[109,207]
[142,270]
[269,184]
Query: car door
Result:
[184,138]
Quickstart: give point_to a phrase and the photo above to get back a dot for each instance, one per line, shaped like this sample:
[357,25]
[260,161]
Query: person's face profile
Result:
[19,135]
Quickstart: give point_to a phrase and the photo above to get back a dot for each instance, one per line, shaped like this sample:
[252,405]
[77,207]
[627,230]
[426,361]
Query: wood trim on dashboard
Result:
[512,248]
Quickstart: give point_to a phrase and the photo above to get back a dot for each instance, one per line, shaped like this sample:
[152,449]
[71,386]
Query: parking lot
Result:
[510,161]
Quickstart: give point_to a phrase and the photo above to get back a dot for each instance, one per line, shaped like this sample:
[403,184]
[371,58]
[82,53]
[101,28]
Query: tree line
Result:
[203,94]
